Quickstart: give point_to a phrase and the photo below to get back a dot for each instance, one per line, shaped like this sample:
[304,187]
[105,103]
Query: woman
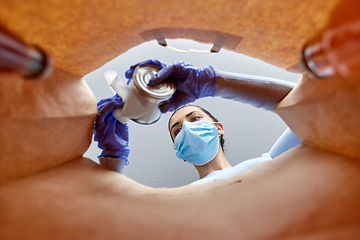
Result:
[198,139]
[203,150]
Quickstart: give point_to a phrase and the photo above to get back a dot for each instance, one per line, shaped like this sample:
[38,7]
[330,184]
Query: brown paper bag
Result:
[43,123]
[306,193]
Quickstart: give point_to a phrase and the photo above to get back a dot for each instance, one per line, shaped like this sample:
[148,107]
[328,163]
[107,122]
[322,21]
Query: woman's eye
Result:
[177,131]
[194,119]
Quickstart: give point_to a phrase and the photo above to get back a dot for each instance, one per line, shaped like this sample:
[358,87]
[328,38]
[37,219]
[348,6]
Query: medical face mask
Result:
[197,142]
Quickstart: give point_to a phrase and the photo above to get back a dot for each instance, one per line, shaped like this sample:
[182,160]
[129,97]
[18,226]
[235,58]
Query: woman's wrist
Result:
[115,164]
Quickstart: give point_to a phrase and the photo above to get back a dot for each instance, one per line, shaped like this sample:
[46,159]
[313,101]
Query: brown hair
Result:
[222,140]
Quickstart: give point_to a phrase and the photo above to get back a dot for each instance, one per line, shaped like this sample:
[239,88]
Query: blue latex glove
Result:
[191,82]
[112,136]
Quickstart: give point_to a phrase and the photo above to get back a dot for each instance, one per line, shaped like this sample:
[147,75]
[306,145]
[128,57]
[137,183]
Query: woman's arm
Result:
[193,83]
[260,92]
[286,141]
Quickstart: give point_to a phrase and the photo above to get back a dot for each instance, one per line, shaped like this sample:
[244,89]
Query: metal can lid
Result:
[159,92]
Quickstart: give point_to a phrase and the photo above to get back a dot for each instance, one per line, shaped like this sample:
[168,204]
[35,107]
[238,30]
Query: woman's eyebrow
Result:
[190,113]
[174,125]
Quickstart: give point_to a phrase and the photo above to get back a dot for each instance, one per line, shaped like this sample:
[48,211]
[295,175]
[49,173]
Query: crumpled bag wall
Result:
[309,192]
[43,123]
[83,35]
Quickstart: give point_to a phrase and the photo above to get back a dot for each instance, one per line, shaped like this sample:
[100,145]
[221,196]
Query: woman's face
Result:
[189,114]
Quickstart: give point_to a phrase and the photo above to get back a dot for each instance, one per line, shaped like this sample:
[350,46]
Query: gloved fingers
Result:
[118,101]
[104,131]
[164,108]
[112,132]
[101,130]
[169,107]
[122,140]
[113,138]
[105,108]
[147,62]
[108,136]
[103,102]
[103,111]
[179,70]
[175,102]
[122,131]
[130,71]
[162,74]
[105,118]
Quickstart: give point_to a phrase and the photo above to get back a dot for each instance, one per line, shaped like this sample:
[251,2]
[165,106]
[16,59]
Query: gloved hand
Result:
[112,136]
[191,82]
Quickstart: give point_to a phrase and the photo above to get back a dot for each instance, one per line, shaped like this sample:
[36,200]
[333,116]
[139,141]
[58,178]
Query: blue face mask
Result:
[197,143]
